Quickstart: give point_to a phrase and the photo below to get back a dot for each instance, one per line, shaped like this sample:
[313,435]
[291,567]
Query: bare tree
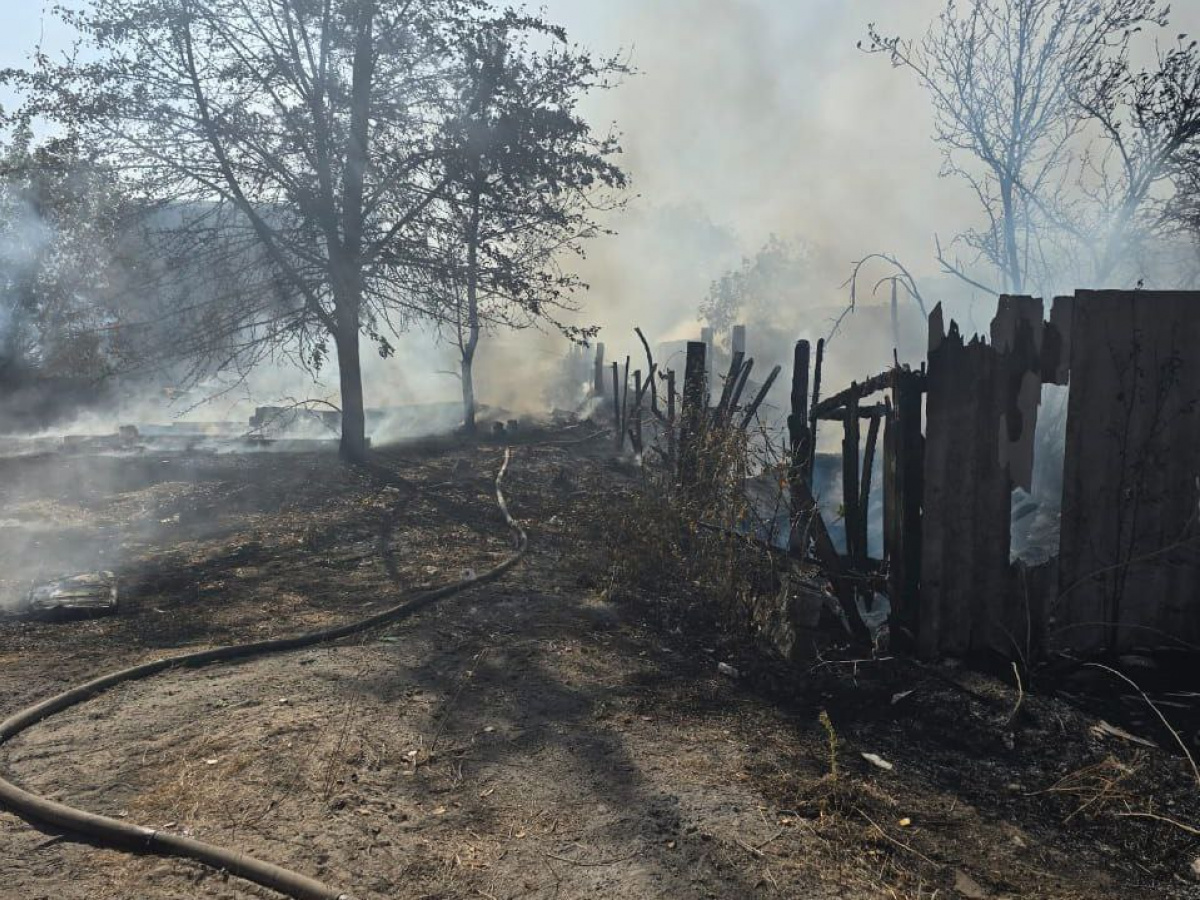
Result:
[1005,78]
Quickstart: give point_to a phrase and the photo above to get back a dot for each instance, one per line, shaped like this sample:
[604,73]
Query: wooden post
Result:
[798,439]
[706,335]
[738,342]
[864,503]
[850,488]
[816,398]
[598,374]
[651,367]
[616,393]
[636,436]
[903,477]
[693,413]
[624,405]
[671,424]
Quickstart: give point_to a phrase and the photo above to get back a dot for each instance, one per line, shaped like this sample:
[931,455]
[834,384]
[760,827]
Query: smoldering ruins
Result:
[727,449]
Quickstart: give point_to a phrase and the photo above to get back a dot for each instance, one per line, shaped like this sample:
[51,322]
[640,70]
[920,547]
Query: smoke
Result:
[746,119]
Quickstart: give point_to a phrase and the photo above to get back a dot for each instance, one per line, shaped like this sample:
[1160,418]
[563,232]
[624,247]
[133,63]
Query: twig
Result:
[898,843]
[454,700]
[1012,716]
[1175,734]
[1190,829]
[757,851]
[602,862]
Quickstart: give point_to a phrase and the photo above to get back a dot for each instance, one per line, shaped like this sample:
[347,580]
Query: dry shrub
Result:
[688,546]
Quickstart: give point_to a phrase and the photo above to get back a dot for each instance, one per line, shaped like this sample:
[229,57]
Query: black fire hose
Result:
[111,832]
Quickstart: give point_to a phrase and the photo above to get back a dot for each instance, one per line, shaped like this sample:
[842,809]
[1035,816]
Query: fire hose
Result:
[110,832]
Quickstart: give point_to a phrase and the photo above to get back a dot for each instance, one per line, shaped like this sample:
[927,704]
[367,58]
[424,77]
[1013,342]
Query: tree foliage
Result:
[779,273]
[526,179]
[60,221]
[299,154]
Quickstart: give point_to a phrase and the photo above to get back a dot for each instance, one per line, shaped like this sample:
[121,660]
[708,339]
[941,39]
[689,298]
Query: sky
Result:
[746,118]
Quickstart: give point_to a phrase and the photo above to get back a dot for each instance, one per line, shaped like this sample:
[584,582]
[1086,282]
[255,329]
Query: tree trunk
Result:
[1013,261]
[468,395]
[472,336]
[353,447]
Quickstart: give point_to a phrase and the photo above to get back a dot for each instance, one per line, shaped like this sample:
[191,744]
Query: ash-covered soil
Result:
[529,739]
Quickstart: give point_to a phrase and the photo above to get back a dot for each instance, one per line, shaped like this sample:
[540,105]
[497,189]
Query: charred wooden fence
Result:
[953,440]
[1127,570]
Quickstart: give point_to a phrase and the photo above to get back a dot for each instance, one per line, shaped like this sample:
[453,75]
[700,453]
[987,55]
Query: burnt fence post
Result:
[694,412]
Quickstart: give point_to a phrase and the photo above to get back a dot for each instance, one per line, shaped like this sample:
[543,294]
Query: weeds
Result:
[693,547]
[832,737]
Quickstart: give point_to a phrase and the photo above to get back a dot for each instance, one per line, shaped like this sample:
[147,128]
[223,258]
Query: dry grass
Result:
[687,546]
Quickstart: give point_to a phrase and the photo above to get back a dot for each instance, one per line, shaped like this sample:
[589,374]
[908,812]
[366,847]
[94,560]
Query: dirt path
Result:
[527,740]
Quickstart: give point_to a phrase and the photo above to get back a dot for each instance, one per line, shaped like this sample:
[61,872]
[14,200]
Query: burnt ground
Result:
[530,739]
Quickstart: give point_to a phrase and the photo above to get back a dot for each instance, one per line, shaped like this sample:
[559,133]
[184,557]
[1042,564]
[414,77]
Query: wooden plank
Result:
[856,391]
[864,503]
[734,400]
[635,433]
[850,489]
[752,409]
[906,460]
[816,397]
[875,410]
[1128,559]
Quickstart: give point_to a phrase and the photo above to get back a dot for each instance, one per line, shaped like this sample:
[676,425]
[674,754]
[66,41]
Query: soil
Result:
[532,738]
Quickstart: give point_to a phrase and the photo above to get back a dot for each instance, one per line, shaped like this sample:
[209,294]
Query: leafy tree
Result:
[299,133]
[60,221]
[778,273]
[525,178]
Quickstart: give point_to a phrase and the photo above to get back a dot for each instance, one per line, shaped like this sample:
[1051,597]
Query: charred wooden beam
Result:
[904,479]
[735,371]
[874,411]
[624,422]
[706,335]
[858,390]
[816,397]
[650,367]
[747,368]
[635,433]
[752,409]
[798,431]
